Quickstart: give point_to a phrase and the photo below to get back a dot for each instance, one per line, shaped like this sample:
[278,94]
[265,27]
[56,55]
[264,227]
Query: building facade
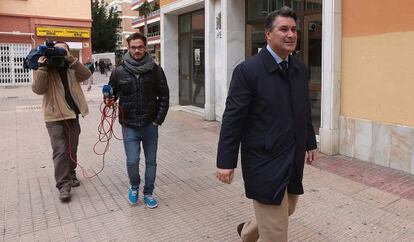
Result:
[358,55]
[26,24]
[153,25]
[127,15]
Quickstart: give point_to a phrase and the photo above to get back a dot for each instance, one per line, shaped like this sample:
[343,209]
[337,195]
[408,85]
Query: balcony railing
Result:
[153,14]
[153,34]
[154,37]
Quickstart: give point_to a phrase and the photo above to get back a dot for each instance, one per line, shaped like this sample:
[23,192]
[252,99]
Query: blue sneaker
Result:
[132,196]
[150,201]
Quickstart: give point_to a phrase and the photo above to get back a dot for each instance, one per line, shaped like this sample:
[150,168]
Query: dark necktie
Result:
[284,67]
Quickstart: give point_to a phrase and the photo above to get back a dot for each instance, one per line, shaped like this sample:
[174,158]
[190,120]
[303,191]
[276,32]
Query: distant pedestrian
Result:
[91,68]
[268,113]
[102,67]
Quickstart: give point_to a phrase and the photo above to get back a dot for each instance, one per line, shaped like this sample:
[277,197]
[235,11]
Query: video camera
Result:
[55,56]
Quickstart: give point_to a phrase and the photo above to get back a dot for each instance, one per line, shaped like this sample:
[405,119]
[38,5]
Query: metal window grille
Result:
[12,72]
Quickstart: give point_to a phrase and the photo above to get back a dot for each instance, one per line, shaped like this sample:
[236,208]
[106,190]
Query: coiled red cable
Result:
[109,114]
[108,109]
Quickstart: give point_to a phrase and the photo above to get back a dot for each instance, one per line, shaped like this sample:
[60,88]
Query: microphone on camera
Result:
[107,91]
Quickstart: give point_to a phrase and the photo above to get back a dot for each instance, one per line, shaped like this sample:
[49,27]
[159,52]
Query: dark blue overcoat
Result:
[268,115]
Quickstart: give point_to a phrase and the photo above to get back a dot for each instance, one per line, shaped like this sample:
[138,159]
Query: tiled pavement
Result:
[345,199]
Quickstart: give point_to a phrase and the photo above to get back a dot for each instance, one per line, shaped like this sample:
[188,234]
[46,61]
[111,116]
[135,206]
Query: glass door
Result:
[312,56]
[191,59]
[185,69]
[197,77]
[255,39]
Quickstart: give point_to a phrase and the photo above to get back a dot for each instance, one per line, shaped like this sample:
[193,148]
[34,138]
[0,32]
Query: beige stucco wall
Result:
[126,10]
[73,9]
[165,2]
[377,61]
[378,78]
[127,20]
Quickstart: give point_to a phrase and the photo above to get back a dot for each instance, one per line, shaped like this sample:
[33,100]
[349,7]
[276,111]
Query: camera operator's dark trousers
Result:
[64,135]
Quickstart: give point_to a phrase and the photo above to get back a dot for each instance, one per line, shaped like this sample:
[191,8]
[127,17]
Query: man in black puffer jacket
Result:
[141,86]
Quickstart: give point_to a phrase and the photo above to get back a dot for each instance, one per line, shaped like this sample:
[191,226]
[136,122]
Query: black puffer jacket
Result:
[142,100]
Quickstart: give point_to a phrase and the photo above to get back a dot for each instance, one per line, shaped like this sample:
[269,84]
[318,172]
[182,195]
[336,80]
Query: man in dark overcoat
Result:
[268,114]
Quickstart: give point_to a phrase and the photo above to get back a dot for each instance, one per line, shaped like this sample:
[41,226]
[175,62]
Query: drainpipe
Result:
[16,33]
[20,33]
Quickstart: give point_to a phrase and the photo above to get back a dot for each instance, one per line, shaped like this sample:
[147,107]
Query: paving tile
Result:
[403,208]
[376,197]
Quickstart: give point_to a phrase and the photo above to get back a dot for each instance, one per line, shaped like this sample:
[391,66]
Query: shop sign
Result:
[63,32]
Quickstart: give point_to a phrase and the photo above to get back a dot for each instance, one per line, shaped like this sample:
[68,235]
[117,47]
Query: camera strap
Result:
[68,96]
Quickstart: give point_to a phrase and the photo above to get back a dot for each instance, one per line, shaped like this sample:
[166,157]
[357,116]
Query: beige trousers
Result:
[271,221]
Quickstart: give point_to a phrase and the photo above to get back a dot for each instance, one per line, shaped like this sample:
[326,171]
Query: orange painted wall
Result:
[76,9]
[368,17]
[377,79]
[165,2]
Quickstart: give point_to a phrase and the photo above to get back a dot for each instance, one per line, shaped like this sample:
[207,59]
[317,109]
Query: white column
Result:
[169,53]
[233,37]
[210,77]
[331,76]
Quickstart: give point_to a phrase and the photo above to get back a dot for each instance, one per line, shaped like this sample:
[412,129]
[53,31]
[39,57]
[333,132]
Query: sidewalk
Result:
[345,199]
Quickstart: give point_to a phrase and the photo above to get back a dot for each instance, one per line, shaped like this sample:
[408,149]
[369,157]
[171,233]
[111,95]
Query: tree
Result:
[104,27]
[144,10]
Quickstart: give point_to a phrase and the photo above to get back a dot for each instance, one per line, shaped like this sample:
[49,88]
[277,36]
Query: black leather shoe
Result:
[75,182]
[239,228]
[64,195]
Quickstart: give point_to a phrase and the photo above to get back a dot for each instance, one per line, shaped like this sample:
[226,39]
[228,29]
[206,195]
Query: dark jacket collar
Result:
[270,62]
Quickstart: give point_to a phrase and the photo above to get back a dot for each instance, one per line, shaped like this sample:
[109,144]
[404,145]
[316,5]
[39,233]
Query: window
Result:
[257,9]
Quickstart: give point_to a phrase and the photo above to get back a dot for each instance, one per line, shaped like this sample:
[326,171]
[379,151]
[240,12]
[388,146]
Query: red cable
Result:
[108,116]
[108,111]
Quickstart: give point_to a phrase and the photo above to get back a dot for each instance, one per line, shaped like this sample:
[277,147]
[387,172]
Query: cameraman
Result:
[63,101]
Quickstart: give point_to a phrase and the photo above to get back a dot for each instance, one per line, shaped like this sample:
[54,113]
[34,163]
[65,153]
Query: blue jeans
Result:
[148,135]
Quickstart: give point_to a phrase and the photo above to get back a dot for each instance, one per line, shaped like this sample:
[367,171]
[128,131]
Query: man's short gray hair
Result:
[285,11]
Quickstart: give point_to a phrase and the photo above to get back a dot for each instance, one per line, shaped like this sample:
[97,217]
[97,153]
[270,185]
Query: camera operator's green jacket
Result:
[47,82]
